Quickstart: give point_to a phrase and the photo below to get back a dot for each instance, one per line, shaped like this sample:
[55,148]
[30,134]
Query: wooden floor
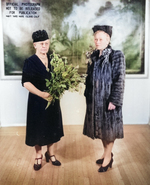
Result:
[78,154]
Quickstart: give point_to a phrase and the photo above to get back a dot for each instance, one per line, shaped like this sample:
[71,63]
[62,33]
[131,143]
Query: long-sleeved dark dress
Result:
[43,126]
[104,84]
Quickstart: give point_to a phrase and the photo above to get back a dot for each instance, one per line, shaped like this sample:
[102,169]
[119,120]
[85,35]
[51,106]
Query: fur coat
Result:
[104,83]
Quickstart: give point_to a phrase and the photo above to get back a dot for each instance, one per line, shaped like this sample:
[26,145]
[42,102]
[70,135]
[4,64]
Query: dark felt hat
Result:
[40,35]
[107,29]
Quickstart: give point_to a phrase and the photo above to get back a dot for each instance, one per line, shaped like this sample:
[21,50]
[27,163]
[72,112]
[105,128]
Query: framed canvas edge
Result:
[128,76]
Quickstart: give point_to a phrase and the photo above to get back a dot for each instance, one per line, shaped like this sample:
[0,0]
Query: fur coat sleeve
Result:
[118,78]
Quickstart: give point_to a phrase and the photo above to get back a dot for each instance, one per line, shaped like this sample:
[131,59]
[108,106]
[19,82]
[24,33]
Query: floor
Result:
[77,154]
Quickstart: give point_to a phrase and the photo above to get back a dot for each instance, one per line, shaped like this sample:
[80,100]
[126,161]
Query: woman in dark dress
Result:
[44,127]
[104,94]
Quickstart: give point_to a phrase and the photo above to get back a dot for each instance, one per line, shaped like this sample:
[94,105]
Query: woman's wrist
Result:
[40,93]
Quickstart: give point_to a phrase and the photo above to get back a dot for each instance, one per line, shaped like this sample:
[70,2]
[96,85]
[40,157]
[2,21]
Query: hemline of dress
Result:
[44,144]
[103,139]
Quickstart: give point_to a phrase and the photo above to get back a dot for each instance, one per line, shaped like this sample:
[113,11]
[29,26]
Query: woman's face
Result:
[101,40]
[42,46]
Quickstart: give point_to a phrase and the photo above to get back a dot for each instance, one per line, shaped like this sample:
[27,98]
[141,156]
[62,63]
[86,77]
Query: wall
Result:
[136,109]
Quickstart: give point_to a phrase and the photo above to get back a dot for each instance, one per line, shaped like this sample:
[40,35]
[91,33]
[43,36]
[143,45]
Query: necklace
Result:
[44,60]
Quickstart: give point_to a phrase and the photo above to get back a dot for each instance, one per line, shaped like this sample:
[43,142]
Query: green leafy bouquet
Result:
[63,77]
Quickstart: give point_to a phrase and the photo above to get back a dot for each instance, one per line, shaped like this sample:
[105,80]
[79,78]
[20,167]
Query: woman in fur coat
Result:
[104,94]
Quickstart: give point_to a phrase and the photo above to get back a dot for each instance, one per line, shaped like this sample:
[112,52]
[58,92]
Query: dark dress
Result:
[43,126]
[104,84]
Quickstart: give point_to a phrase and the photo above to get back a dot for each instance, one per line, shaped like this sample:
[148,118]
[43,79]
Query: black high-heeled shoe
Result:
[105,168]
[38,166]
[48,157]
[100,161]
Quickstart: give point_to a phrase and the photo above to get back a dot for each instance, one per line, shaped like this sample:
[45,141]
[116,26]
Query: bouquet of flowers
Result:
[63,77]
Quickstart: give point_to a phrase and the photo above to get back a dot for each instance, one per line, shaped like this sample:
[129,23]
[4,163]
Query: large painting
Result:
[69,23]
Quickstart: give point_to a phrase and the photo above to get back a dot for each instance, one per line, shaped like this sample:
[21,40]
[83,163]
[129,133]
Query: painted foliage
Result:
[69,23]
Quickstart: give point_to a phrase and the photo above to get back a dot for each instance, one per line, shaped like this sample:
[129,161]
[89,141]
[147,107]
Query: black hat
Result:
[107,29]
[40,35]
